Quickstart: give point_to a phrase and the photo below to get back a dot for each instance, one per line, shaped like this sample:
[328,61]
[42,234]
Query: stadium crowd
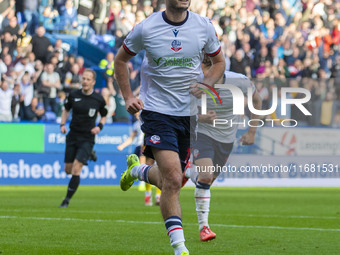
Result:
[277,43]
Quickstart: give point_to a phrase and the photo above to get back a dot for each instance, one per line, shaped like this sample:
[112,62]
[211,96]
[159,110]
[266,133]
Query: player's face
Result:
[181,5]
[87,81]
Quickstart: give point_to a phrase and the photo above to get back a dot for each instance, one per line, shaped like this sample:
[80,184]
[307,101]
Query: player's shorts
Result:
[78,147]
[168,132]
[206,147]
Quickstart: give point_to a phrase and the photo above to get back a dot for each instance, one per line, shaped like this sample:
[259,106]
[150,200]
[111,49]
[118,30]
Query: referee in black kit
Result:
[85,104]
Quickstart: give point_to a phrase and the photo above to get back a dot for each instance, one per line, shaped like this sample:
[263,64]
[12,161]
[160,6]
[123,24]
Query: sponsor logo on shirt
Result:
[77,99]
[157,61]
[175,31]
[176,45]
[155,139]
[182,62]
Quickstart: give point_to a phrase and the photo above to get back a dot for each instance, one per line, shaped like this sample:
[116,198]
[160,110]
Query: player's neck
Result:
[176,16]
[87,92]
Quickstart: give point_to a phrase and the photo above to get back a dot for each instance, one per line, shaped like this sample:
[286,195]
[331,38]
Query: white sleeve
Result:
[213,45]
[133,43]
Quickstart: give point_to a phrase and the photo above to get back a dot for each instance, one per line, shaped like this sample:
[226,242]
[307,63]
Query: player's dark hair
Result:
[91,71]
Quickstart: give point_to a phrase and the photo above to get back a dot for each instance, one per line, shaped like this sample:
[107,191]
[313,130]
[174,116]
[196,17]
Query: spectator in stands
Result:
[108,65]
[6,12]
[110,104]
[58,4]
[26,96]
[23,66]
[58,48]
[85,15]
[3,67]
[51,79]
[15,104]
[8,44]
[35,111]
[13,28]
[114,17]
[238,63]
[31,58]
[80,62]
[68,16]
[72,79]
[31,15]
[36,78]
[101,13]
[5,102]
[50,19]
[41,45]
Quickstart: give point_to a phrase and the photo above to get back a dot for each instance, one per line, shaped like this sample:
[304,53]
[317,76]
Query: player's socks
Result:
[174,228]
[72,187]
[141,172]
[202,198]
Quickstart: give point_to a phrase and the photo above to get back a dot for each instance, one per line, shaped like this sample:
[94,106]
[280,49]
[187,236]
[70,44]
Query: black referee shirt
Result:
[85,109]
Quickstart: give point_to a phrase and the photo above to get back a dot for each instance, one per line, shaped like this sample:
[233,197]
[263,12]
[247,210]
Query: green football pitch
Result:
[105,220]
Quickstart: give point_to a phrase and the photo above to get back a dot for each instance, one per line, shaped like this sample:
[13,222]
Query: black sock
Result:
[72,186]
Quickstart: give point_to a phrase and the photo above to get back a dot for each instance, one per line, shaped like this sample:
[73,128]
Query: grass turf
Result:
[105,220]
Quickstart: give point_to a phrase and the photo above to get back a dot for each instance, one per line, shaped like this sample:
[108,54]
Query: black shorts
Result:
[206,147]
[168,132]
[78,147]
[138,150]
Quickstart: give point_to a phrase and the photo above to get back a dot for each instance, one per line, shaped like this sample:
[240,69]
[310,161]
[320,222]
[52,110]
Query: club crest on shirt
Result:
[176,45]
[196,153]
[155,139]
[92,112]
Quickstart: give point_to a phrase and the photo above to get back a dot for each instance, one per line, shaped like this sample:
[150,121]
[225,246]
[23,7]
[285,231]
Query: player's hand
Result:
[134,105]
[207,118]
[248,139]
[95,130]
[196,90]
[63,129]
[120,147]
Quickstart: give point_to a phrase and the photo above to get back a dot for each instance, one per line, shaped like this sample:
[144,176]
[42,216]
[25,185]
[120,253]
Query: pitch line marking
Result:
[157,223]
[153,213]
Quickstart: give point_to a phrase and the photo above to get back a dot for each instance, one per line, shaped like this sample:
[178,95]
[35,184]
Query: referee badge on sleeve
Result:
[92,112]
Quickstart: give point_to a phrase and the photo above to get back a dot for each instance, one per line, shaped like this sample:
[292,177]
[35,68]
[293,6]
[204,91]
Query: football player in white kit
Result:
[174,41]
[215,142]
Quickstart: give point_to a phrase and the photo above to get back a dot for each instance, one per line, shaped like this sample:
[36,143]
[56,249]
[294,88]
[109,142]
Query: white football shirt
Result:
[174,56]
[225,133]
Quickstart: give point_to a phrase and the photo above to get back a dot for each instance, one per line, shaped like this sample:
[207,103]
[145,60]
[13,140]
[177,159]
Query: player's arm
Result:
[64,117]
[207,118]
[132,104]
[131,46]
[128,141]
[214,74]
[249,137]
[216,70]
